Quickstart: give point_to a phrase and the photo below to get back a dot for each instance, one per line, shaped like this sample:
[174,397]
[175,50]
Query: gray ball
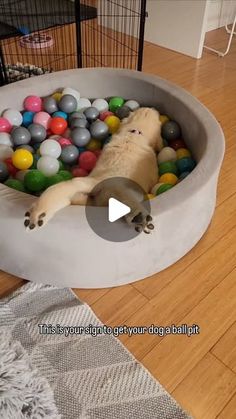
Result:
[122,112]
[91,114]
[50,104]
[171,131]
[38,133]
[67,103]
[99,130]
[75,115]
[3,171]
[80,136]
[132,104]
[26,147]
[20,135]
[79,123]
[69,154]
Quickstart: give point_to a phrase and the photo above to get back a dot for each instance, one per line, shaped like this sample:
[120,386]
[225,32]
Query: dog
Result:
[131,154]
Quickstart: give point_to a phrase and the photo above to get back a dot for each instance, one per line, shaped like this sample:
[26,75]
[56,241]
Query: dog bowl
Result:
[67,252]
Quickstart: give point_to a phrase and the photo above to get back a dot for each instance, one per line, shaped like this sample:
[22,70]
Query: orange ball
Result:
[169,178]
[58,125]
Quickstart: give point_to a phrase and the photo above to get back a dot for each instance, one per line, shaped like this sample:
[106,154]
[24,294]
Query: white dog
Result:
[130,154]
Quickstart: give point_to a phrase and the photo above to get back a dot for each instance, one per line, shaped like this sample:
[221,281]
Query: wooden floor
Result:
[199,371]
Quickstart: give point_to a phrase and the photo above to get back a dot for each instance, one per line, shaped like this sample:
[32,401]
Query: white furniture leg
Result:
[229,31]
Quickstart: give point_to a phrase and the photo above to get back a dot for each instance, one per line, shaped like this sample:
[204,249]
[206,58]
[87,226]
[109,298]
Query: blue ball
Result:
[183,175]
[60,114]
[28,118]
[186,164]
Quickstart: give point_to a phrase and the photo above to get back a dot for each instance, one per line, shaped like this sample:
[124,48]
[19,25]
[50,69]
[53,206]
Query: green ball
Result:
[168,167]
[163,188]
[65,174]
[35,181]
[36,157]
[15,184]
[52,180]
[115,103]
[61,165]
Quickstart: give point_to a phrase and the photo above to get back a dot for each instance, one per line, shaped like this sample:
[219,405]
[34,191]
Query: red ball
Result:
[87,160]
[5,125]
[78,172]
[104,115]
[97,153]
[176,144]
[58,125]
[11,168]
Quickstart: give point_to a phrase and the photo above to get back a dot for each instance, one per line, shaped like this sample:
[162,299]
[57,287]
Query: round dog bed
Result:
[67,252]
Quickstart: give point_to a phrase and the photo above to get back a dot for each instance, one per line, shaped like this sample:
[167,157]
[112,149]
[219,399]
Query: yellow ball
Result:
[149,196]
[113,123]
[94,145]
[57,96]
[22,159]
[183,152]
[169,178]
[164,118]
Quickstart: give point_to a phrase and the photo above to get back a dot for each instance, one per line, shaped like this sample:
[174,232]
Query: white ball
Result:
[5,152]
[132,105]
[72,92]
[20,175]
[166,154]
[13,116]
[49,166]
[50,148]
[155,188]
[101,105]
[5,139]
[83,103]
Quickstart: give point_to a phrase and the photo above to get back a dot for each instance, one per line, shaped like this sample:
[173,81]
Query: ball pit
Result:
[82,259]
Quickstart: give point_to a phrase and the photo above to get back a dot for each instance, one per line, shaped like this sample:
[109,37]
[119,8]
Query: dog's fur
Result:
[131,154]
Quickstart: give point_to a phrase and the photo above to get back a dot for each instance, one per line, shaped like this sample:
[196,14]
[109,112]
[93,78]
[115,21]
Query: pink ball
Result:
[42,118]
[5,125]
[64,141]
[87,160]
[33,103]
[104,115]
[78,172]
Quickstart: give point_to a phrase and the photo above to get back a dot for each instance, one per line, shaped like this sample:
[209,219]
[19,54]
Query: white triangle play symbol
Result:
[116,210]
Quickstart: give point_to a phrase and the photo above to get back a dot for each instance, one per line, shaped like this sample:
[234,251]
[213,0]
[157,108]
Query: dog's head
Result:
[147,122]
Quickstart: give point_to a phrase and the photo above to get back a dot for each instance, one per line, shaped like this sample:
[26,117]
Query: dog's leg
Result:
[55,198]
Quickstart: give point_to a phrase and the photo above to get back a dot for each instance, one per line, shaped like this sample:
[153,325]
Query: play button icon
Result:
[110,203]
[116,210]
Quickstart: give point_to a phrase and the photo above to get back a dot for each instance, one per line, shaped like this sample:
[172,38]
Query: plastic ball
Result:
[42,118]
[91,114]
[115,103]
[132,105]
[22,159]
[20,135]
[67,103]
[183,152]
[20,175]
[101,105]
[52,180]
[69,154]
[50,148]
[97,153]
[58,125]
[104,115]
[176,144]
[83,103]
[122,112]
[166,154]
[76,115]
[79,123]
[163,119]
[5,139]
[5,151]
[4,173]
[183,175]
[28,118]
[79,172]
[72,92]
[35,181]
[33,103]
[170,130]
[15,184]
[64,141]
[87,160]
[61,165]
[65,174]
[60,114]
[5,125]
[149,196]
[50,104]
[13,116]
[168,167]
[113,123]
[99,130]
[169,178]
[163,188]
[94,145]
[67,133]
[10,167]
[185,164]
[38,133]
[48,165]
[26,147]
[156,187]
[57,96]
[80,136]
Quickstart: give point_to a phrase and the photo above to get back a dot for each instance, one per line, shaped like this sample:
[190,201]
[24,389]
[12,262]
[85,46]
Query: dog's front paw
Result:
[35,218]
[143,222]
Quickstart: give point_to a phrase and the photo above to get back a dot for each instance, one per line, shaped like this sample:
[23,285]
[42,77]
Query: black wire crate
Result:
[43,36]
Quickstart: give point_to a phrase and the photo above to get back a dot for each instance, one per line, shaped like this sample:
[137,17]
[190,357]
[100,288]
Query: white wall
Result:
[220,12]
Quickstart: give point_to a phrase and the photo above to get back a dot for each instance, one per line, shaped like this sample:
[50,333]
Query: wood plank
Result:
[228,340]
[89,296]
[229,410]
[9,283]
